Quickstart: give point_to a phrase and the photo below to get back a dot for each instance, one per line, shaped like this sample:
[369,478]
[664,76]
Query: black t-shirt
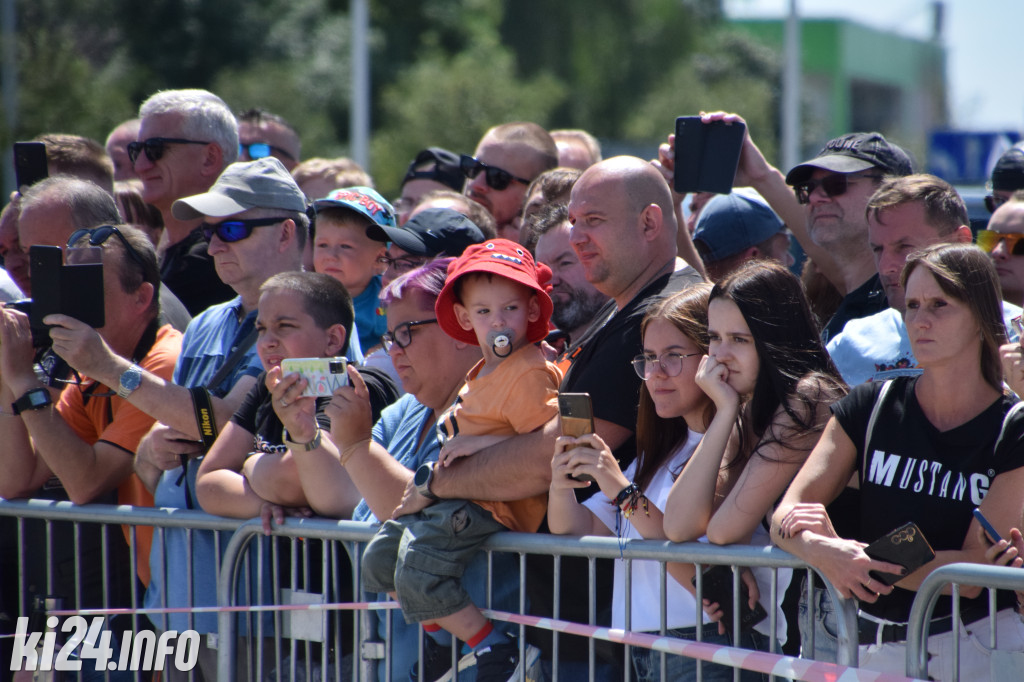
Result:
[187,270]
[867,299]
[256,414]
[914,472]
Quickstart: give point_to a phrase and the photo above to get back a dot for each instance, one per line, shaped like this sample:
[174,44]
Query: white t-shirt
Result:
[646,594]
[876,348]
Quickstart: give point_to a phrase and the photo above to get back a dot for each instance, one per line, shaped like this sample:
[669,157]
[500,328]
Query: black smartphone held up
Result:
[905,546]
[717,588]
[576,414]
[29,163]
[707,155]
[990,530]
[73,290]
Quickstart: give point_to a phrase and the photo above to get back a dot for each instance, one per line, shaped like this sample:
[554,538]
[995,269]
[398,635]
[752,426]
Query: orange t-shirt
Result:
[119,423]
[519,396]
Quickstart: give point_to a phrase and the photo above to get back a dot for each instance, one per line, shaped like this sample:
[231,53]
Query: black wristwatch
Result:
[424,475]
[34,399]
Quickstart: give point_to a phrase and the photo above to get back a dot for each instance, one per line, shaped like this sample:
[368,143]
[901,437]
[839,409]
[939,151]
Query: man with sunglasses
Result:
[1004,239]
[186,138]
[506,161]
[261,133]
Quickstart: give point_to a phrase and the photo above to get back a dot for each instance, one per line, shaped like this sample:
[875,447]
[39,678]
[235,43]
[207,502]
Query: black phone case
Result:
[718,588]
[30,164]
[707,155]
[905,546]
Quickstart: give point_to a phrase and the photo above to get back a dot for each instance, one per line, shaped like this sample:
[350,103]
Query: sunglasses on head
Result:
[259,150]
[236,230]
[99,235]
[989,240]
[496,178]
[155,147]
[833,185]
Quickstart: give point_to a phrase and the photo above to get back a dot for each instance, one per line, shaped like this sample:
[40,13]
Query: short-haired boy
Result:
[495,297]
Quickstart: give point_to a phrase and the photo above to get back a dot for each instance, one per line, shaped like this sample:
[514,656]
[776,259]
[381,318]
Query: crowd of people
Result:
[738,396]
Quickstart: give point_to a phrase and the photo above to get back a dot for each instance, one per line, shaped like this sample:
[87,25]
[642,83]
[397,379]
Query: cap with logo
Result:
[365,201]
[852,153]
[503,258]
[431,232]
[263,183]
[731,223]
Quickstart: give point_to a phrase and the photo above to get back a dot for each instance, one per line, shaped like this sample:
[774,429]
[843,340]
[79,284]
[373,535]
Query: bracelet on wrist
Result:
[630,499]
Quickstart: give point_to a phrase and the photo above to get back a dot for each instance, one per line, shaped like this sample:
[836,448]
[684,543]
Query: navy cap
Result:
[852,153]
[429,233]
[731,223]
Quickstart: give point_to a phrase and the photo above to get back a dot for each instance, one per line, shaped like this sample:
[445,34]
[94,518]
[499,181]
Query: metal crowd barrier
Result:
[294,599]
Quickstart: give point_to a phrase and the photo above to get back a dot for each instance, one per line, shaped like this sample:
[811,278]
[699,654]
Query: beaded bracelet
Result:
[632,497]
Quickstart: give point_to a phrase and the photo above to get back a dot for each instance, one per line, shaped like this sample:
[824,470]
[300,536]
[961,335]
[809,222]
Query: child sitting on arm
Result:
[495,297]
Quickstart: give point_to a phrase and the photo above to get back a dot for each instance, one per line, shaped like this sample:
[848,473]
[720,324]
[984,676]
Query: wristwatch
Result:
[304,447]
[422,478]
[34,399]
[131,378]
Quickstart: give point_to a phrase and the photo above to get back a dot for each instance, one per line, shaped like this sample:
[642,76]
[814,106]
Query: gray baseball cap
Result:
[263,183]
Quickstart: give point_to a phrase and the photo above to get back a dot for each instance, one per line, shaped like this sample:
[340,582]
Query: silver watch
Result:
[422,478]
[131,379]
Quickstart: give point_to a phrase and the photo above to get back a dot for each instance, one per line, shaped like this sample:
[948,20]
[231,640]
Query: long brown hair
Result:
[966,273]
[657,438]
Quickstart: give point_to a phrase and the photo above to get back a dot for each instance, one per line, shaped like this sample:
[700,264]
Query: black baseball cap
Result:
[446,169]
[432,232]
[1008,173]
[852,153]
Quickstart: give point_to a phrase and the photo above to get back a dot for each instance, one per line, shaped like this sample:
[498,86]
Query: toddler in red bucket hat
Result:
[495,297]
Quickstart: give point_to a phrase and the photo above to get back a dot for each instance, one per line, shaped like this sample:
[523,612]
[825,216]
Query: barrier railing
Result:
[977,575]
[342,545]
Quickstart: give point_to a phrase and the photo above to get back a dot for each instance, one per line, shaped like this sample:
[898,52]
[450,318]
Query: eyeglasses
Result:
[401,265]
[99,235]
[994,201]
[231,231]
[259,150]
[989,240]
[833,185]
[154,147]
[402,335]
[670,363]
[497,179]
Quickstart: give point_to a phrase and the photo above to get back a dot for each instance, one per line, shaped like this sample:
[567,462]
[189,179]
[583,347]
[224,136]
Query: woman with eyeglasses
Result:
[771,382]
[927,449]
[673,414]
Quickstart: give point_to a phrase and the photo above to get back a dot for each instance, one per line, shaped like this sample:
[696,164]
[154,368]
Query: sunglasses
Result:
[833,185]
[402,336]
[497,179]
[992,202]
[231,231]
[154,147]
[670,363]
[259,150]
[99,235]
[989,240]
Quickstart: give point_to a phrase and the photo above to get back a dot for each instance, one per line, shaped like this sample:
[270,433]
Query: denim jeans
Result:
[821,619]
[647,662]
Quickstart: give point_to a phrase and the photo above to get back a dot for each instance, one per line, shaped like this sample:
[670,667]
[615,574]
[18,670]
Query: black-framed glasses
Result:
[99,235]
[989,240]
[259,150]
[496,178]
[671,363]
[231,231]
[833,185]
[402,334]
[401,265]
[994,201]
[155,147]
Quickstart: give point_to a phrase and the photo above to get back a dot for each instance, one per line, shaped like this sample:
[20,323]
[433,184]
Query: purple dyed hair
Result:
[427,279]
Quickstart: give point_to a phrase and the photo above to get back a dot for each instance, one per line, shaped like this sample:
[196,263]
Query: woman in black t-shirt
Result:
[929,456]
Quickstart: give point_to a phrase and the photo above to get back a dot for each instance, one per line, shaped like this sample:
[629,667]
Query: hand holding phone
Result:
[717,588]
[990,530]
[707,154]
[576,415]
[905,546]
[322,375]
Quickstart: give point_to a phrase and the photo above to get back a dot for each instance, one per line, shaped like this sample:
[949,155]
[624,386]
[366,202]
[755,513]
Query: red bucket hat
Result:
[506,259]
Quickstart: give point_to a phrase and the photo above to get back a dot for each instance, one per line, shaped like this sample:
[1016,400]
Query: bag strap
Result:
[876,409]
[1012,412]
[236,356]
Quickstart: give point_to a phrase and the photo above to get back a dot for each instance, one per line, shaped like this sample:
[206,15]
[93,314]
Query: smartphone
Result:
[990,530]
[717,588]
[75,290]
[905,546]
[323,375]
[576,414]
[29,163]
[707,155]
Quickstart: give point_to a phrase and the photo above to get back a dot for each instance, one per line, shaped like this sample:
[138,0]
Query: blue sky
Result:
[984,40]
